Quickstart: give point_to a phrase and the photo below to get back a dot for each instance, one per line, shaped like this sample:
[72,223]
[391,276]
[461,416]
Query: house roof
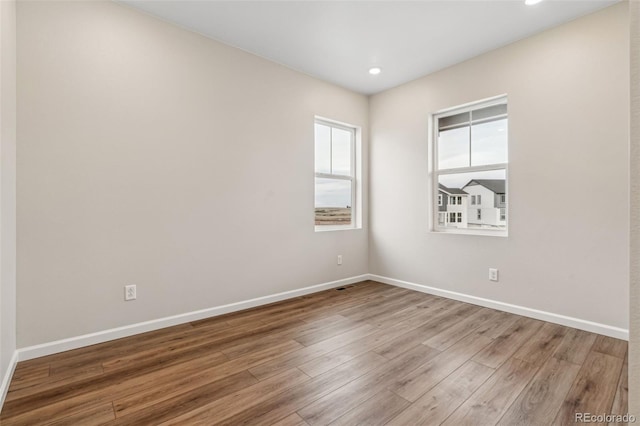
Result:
[451,191]
[495,185]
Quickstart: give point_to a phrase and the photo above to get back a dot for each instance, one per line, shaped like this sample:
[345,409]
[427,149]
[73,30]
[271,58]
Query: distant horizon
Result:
[333,193]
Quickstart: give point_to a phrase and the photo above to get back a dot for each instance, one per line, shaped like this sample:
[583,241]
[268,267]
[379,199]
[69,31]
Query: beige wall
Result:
[153,156]
[634,305]
[567,251]
[150,155]
[7,184]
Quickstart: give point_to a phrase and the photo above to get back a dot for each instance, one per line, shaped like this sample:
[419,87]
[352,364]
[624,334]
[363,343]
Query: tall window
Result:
[335,175]
[470,153]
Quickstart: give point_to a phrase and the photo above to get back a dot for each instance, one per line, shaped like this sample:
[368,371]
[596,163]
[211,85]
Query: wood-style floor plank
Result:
[28,387]
[417,382]
[487,404]
[30,372]
[292,420]
[156,392]
[290,331]
[336,404]
[241,400]
[100,415]
[496,327]
[505,345]
[286,361]
[621,400]
[336,357]
[610,346]
[94,353]
[541,399]
[542,345]
[310,337]
[437,404]
[153,409]
[188,389]
[442,318]
[365,354]
[463,328]
[377,410]
[305,393]
[575,346]
[594,389]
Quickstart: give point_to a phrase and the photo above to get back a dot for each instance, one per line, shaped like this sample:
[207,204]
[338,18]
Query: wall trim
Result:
[594,327]
[63,345]
[6,380]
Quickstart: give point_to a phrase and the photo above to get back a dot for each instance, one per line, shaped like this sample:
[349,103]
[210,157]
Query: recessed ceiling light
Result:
[375,70]
[531,2]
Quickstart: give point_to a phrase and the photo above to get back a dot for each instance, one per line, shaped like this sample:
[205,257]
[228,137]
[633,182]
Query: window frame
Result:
[434,172]
[352,177]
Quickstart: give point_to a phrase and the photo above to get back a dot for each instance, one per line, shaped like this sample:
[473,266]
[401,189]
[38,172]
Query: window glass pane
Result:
[453,148]
[489,143]
[487,187]
[333,201]
[323,148]
[341,152]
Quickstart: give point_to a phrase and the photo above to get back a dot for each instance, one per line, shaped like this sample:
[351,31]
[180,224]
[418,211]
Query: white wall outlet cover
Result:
[493,274]
[130,292]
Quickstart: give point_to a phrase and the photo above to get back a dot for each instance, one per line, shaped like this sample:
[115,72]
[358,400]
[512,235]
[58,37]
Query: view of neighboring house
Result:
[487,202]
[452,207]
[481,203]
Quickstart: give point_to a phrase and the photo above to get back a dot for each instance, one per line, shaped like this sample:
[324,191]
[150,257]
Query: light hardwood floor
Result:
[368,354]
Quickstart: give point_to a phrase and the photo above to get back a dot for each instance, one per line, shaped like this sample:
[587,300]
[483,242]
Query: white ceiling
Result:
[338,41]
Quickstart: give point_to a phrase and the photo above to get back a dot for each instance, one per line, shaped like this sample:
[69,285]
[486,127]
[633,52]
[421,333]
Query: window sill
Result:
[329,228]
[488,233]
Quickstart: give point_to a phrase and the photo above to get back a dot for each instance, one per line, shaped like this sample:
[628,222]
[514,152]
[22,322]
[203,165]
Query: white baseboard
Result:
[6,380]
[142,327]
[594,327]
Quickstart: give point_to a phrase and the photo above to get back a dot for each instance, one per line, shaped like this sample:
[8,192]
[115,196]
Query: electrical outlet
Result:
[493,274]
[339,259]
[130,292]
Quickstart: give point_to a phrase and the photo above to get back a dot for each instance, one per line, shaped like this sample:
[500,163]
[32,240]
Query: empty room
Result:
[319,212]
